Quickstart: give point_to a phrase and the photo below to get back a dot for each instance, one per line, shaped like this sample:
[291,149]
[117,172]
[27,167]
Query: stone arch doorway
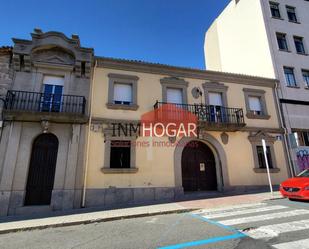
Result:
[198,166]
[42,169]
[218,151]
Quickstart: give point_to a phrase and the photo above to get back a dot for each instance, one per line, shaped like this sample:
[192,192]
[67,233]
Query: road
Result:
[280,224]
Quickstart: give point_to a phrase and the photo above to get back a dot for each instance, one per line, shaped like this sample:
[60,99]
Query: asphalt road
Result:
[274,224]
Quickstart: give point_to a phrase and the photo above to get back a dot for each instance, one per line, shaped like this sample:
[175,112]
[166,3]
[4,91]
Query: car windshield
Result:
[305,173]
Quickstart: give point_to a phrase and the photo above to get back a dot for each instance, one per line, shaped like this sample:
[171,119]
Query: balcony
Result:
[210,117]
[35,106]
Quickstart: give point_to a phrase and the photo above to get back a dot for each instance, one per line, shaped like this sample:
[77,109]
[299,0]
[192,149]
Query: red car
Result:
[296,187]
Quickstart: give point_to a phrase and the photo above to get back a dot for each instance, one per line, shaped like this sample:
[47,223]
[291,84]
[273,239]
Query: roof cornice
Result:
[154,68]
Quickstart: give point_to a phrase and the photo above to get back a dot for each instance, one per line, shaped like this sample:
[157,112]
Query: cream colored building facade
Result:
[269,38]
[155,172]
[64,142]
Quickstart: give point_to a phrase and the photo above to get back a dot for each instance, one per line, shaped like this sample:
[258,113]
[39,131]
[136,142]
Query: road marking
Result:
[245,211]
[214,223]
[264,217]
[227,209]
[271,231]
[204,242]
[299,244]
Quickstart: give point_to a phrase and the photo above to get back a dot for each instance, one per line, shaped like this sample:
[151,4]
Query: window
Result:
[258,152]
[255,105]
[215,94]
[261,157]
[122,94]
[174,90]
[174,95]
[289,76]
[215,99]
[120,154]
[306,76]
[303,138]
[282,43]
[291,13]
[299,45]
[274,8]
[52,97]
[216,103]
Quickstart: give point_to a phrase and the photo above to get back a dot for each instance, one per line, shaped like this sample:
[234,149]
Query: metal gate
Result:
[42,168]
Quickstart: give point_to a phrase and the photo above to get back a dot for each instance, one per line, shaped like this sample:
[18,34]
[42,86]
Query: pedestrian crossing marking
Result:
[264,217]
[246,211]
[224,216]
[299,244]
[271,231]
[230,208]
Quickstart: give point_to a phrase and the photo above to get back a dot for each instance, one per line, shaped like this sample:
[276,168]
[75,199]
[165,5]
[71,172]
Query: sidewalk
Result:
[86,216]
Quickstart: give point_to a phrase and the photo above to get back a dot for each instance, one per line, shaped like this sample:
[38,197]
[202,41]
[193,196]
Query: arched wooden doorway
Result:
[198,167]
[42,168]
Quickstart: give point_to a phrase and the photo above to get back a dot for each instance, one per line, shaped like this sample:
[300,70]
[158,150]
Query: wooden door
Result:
[198,167]
[42,168]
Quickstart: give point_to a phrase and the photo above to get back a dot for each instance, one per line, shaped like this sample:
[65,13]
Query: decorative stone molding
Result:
[174,82]
[257,137]
[249,92]
[108,137]
[146,67]
[224,138]
[256,140]
[217,88]
[119,171]
[45,126]
[52,48]
[126,79]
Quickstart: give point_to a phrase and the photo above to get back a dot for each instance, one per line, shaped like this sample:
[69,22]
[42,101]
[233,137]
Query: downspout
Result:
[88,138]
[2,119]
[285,136]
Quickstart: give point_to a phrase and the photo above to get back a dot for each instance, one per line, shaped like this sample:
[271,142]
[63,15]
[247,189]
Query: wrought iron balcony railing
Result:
[44,102]
[210,114]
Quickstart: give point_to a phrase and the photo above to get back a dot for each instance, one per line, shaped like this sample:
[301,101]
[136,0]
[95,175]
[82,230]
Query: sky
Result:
[160,31]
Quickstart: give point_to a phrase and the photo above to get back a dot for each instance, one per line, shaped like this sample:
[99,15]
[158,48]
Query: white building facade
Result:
[269,38]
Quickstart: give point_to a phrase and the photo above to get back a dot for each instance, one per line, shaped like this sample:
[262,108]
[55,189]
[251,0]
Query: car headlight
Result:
[307,188]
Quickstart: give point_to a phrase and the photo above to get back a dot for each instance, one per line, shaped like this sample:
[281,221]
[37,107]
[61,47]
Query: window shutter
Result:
[123,92]
[174,95]
[215,99]
[255,104]
[53,80]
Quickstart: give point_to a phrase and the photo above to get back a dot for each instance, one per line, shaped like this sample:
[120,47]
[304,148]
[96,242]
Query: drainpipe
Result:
[285,136]
[2,119]
[88,138]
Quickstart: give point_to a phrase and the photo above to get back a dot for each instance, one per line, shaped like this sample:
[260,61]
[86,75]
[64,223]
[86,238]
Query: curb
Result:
[90,221]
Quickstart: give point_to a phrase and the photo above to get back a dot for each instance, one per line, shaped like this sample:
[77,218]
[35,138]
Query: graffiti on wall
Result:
[302,155]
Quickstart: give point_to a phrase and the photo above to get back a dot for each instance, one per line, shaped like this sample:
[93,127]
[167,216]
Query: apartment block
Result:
[269,39]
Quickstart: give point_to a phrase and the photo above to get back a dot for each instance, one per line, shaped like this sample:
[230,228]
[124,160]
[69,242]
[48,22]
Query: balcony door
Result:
[216,104]
[52,95]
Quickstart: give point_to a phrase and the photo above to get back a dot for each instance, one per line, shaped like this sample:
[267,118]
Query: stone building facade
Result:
[59,148]
[45,116]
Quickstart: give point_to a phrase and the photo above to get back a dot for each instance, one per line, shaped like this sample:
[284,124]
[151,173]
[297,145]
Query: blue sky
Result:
[163,31]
